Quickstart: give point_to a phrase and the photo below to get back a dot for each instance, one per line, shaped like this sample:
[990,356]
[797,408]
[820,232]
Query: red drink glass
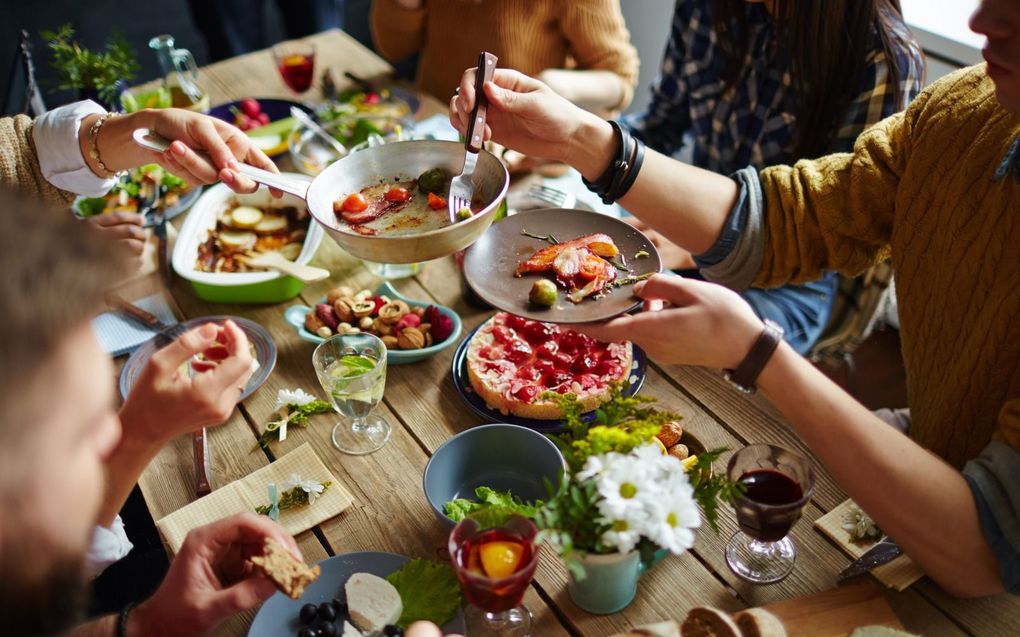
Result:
[496,600]
[296,63]
[778,483]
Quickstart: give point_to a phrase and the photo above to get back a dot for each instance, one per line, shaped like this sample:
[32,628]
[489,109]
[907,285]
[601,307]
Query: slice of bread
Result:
[351,631]
[290,574]
[755,622]
[372,601]
[709,622]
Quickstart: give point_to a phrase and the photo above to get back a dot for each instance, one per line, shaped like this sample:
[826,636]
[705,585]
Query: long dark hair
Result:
[826,44]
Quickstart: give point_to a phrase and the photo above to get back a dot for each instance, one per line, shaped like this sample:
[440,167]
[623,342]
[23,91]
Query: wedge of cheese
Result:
[372,601]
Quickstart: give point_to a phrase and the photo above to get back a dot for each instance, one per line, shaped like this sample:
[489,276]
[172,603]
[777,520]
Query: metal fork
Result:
[462,188]
[553,196]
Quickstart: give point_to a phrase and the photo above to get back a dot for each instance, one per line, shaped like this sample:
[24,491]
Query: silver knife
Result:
[885,550]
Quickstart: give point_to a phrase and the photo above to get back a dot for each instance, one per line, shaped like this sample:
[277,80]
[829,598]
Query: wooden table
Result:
[390,512]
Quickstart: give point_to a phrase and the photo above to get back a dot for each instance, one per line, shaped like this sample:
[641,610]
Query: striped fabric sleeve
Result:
[663,124]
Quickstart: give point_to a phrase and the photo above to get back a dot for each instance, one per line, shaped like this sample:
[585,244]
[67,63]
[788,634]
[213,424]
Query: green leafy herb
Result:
[429,591]
[621,424]
[627,280]
[297,415]
[551,239]
[91,206]
[460,508]
[80,68]
[641,254]
[713,490]
[618,264]
[295,496]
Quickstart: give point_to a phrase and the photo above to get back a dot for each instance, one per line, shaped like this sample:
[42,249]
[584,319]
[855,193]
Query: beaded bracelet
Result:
[94,145]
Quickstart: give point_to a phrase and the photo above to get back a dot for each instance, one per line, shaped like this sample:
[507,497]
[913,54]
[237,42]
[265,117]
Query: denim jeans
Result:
[801,310]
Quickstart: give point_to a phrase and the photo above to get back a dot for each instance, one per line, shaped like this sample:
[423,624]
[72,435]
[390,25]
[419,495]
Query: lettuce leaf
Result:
[460,508]
[429,591]
[91,206]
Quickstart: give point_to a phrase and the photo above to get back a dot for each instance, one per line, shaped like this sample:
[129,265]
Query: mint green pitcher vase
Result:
[611,581]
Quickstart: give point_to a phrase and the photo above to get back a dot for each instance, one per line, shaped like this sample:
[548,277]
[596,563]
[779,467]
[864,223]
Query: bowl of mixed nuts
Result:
[412,330]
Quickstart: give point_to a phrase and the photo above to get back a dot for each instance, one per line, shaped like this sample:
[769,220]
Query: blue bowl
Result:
[276,109]
[502,457]
[295,316]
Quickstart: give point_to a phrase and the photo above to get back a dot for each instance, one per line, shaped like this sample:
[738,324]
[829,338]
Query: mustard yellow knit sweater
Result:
[19,166]
[527,35]
[919,188]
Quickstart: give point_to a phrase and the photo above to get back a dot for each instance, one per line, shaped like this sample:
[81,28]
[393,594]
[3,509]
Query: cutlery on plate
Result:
[462,188]
[885,550]
[553,196]
[276,261]
[309,123]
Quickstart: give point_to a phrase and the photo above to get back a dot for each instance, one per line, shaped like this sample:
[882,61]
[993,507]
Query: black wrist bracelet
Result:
[604,183]
[632,172]
[122,619]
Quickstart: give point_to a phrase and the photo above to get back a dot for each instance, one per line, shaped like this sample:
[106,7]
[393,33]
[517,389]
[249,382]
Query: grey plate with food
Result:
[490,264]
[278,616]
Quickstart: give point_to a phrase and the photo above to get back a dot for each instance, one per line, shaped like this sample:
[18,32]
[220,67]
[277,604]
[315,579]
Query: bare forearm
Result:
[595,90]
[115,144]
[686,204]
[917,499]
[100,627]
[123,469]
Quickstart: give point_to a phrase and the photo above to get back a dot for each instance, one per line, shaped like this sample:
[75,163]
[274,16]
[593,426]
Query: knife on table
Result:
[201,451]
[885,550]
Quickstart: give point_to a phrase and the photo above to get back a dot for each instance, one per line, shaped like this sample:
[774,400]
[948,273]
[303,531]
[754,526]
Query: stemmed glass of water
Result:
[352,370]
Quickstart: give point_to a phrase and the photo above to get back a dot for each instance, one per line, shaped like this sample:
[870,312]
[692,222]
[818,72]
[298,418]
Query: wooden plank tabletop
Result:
[390,512]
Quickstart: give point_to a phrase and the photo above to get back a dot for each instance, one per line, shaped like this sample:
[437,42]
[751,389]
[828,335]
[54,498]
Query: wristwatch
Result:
[746,373]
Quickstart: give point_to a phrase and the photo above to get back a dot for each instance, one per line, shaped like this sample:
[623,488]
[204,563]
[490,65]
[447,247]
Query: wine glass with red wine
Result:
[777,484]
[295,60]
[495,567]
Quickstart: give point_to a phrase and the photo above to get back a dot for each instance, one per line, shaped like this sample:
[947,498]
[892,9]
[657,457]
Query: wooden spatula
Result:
[276,261]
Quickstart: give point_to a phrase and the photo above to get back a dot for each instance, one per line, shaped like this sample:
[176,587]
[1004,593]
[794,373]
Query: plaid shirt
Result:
[754,125]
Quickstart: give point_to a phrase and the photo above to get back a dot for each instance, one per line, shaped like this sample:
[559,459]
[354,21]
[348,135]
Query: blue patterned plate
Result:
[463,385]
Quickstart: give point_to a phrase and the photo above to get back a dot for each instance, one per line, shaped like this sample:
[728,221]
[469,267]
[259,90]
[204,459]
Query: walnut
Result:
[324,332]
[313,322]
[419,310]
[363,308]
[381,328]
[411,338]
[340,292]
[393,311]
[428,339]
[390,341]
[365,322]
[670,433]
[344,308]
[426,328]
[679,451]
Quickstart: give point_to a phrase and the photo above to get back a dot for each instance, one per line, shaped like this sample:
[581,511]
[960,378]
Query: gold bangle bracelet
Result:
[94,145]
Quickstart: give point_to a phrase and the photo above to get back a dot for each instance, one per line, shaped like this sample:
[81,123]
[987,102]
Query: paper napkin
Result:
[898,574]
[118,334]
[251,491]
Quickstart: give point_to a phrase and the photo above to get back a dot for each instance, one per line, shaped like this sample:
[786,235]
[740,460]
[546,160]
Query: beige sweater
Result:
[19,165]
[527,35]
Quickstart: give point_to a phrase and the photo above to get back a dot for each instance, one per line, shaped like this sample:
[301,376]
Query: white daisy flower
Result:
[672,522]
[297,397]
[621,536]
[311,487]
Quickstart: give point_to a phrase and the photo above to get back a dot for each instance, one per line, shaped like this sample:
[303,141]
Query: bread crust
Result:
[538,409]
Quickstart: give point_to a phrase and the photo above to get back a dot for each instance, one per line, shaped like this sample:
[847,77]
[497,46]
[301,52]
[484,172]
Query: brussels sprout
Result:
[432,180]
[543,292]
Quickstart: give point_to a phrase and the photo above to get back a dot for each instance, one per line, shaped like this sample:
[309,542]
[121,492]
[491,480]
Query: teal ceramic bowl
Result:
[502,457]
[295,316]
